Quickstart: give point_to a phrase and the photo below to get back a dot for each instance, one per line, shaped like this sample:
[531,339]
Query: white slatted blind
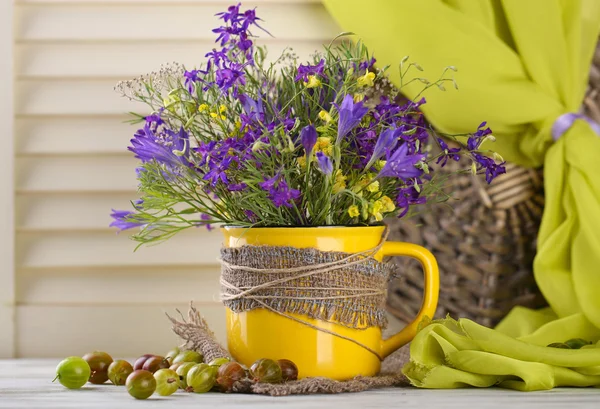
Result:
[79,286]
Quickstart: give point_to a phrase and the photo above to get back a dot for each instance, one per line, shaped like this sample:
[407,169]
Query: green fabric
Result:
[521,63]
[451,354]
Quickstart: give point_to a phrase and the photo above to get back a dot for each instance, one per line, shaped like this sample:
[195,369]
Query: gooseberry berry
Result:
[99,363]
[289,370]
[175,366]
[155,363]
[188,356]
[167,381]
[182,371]
[219,361]
[228,374]
[266,370]
[141,384]
[118,371]
[139,363]
[172,354]
[73,372]
[201,378]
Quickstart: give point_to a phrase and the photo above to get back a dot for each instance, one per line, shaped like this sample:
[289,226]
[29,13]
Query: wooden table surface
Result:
[28,384]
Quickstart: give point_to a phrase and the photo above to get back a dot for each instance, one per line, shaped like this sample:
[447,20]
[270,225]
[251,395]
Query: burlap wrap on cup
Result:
[330,286]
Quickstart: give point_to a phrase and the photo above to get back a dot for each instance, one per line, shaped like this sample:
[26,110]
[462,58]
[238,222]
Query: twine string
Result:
[232,292]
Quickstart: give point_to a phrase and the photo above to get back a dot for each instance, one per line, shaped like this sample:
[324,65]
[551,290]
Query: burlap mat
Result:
[198,336]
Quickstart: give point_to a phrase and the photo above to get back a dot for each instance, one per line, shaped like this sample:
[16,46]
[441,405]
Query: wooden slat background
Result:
[79,285]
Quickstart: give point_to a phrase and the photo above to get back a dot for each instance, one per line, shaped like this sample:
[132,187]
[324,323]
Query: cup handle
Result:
[430,296]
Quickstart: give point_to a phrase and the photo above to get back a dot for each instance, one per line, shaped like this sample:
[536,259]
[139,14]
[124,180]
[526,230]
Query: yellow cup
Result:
[261,333]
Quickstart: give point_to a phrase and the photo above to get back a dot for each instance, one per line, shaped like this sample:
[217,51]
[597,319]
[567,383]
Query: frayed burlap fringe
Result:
[198,336]
[310,386]
[329,286]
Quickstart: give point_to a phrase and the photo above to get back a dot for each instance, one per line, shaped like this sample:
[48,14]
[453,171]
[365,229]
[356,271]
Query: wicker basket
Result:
[484,242]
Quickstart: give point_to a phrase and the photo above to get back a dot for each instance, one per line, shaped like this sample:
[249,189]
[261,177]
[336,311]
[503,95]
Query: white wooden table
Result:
[28,384]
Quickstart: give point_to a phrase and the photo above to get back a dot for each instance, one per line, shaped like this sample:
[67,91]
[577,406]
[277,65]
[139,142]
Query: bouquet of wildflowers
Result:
[240,141]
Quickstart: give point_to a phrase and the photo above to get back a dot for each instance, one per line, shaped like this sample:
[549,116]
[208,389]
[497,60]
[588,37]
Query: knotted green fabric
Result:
[522,64]
[454,354]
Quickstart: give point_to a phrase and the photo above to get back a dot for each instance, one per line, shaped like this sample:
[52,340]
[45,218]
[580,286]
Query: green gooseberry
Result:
[141,384]
[73,372]
[201,378]
[167,382]
[219,361]
[182,370]
[170,356]
[188,356]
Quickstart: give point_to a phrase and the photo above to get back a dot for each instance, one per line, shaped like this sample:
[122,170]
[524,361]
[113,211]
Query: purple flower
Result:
[216,57]
[249,18]
[475,140]
[231,75]
[156,142]
[324,163]
[237,187]
[350,116]
[279,192]
[217,170]
[253,108]
[386,142]
[402,165]
[191,77]
[269,184]
[308,137]
[365,65]
[447,153]
[124,219]
[408,196]
[305,70]
[205,217]
[225,33]
[250,215]
[231,15]
[492,169]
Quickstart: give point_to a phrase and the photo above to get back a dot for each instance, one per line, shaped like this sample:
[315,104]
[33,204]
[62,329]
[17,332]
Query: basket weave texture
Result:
[484,243]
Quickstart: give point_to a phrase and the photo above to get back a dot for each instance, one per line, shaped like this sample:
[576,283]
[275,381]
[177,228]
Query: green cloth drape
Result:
[451,354]
[522,63]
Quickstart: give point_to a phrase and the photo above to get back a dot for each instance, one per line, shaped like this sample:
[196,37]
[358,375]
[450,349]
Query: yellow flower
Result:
[358,97]
[340,182]
[324,145]
[362,183]
[215,115]
[376,209]
[373,187]
[203,107]
[301,161]
[365,210]
[236,129]
[313,82]
[353,211]
[324,115]
[366,80]
[388,204]
[380,164]
[222,108]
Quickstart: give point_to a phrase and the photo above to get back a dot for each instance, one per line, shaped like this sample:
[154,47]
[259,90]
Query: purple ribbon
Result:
[565,121]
